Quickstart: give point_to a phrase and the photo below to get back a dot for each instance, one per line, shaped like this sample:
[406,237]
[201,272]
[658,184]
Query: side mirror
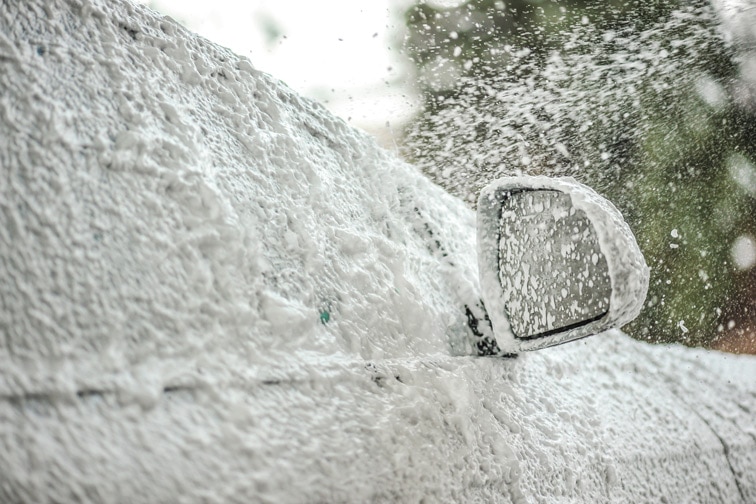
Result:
[557,262]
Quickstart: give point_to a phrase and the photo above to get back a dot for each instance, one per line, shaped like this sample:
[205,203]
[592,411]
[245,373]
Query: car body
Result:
[213,290]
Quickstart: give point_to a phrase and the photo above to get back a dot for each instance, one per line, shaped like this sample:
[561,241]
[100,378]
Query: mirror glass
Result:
[553,274]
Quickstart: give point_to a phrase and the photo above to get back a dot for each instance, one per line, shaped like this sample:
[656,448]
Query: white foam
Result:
[174,225]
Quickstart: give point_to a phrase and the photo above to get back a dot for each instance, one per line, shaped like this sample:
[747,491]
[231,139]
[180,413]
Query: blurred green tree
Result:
[635,98]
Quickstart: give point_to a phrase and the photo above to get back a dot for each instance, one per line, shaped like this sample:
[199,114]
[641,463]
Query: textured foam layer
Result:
[212,290]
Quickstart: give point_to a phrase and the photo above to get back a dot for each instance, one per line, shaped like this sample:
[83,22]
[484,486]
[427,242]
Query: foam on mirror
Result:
[557,262]
[551,266]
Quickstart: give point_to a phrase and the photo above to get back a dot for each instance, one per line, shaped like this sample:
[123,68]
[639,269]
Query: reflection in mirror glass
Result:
[551,268]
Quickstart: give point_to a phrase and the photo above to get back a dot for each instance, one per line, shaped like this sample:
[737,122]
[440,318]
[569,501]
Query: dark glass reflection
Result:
[551,267]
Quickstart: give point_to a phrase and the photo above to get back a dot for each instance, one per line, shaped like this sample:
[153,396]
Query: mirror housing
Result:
[557,262]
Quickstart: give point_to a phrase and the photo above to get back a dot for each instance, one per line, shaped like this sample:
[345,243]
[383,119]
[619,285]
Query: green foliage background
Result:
[635,98]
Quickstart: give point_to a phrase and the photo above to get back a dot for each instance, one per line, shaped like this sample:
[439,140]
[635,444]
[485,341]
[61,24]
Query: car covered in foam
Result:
[213,290]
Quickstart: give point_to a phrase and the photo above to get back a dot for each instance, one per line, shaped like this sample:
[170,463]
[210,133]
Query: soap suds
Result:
[174,225]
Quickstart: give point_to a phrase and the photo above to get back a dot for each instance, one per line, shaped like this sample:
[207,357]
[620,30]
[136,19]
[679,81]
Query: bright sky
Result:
[340,52]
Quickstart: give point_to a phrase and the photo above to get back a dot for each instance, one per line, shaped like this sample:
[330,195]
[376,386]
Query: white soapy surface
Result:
[212,290]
